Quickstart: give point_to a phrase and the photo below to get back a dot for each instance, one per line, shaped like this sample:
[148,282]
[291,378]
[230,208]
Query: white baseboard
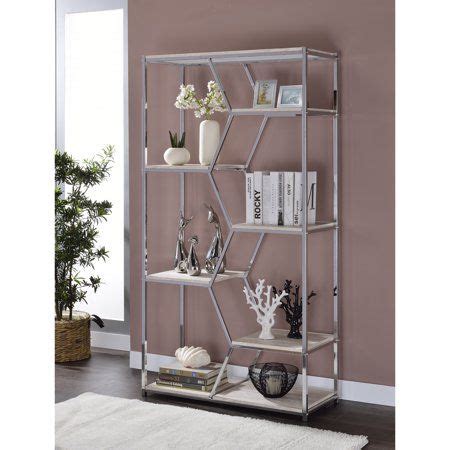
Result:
[377,394]
[112,341]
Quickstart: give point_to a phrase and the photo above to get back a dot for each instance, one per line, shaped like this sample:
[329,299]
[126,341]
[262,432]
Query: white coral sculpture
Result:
[265,312]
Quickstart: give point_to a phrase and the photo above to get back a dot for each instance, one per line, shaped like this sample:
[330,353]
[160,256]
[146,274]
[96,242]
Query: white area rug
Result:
[93,421]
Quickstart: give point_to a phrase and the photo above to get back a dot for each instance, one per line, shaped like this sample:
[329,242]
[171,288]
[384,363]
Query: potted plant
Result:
[76,220]
[177,155]
[209,135]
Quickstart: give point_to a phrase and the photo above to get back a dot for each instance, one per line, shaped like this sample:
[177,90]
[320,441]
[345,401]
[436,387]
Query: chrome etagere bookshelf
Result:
[302,399]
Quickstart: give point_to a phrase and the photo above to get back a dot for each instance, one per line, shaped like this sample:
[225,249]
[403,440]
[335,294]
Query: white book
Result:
[280,201]
[273,215]
[288,207]
[257,198]
[249,198]
[266,198]
[312,198]
[297,198]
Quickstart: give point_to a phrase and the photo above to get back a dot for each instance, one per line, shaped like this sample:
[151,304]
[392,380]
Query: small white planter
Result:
[208,141]
[177,156]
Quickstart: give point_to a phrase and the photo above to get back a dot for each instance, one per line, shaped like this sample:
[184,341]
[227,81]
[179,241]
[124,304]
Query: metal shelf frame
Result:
[243,58]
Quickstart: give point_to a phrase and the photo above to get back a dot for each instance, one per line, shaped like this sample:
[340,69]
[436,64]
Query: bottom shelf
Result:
[245,394]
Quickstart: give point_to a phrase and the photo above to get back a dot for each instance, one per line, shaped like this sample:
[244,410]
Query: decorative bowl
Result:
[273,380]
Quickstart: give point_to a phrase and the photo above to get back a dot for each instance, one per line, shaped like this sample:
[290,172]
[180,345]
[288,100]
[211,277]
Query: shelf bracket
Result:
[211,169]
[220,316]
[251,80]
[258,138]
[256,250]
[221,257]
[255,361]
[219,199]
[219,83]
[220,375]
[221,142]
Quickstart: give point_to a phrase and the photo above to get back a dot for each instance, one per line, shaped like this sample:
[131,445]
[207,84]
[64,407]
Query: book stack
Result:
[275,198]
[200,379]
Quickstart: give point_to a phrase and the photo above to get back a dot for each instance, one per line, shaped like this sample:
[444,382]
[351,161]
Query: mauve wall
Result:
[363,31]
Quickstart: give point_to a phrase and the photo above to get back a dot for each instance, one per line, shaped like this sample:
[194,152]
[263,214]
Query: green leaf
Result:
[76,224]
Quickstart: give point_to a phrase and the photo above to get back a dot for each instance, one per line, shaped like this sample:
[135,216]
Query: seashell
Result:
[193,357]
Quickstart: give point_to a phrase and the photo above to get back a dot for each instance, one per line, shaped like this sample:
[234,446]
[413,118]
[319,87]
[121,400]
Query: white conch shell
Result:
[193,357]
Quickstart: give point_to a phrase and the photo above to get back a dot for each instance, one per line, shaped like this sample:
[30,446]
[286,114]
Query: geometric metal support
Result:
[304,247]
[221,372]
[258,138]
[250,78]
[182,199]
[301,54]
[144,247]
[336,281]
[219,84]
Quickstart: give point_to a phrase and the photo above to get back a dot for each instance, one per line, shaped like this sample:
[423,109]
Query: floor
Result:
[108,372]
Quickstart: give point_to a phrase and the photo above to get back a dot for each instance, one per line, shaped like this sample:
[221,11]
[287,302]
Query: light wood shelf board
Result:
[278,229]
[195,168]
[172,277]
[245,394]
[282,343]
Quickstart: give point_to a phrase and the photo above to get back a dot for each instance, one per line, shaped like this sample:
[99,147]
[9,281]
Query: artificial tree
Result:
[76,226]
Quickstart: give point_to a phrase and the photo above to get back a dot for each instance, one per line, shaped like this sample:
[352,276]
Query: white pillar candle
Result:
[273,385]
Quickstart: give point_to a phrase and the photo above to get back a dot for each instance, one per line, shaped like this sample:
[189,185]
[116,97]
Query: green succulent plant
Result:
[174,142]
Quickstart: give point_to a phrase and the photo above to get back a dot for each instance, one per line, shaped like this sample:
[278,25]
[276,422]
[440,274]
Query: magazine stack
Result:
[200,379]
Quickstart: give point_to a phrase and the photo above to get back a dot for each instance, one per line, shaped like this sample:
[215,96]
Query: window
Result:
[92,113]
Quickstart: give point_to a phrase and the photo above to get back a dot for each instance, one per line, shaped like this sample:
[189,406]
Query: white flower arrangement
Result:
[204,107]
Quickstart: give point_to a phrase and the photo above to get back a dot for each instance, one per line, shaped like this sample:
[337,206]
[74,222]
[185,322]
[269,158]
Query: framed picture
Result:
[290,96]
[265,93]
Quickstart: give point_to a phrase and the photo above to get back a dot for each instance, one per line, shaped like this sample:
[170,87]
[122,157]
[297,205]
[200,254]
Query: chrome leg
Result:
[305,230]
[182,209]
[220,316]
[182,332]
[222,370]
[336,283]
[144,349]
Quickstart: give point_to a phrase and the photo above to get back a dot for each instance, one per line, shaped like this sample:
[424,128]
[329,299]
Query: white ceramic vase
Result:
[208,141]
[177,156]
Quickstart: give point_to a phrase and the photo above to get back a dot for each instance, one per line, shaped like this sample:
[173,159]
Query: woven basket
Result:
[73,337]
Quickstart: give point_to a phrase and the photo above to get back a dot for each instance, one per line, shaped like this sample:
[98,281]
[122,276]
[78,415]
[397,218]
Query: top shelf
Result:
[241,56]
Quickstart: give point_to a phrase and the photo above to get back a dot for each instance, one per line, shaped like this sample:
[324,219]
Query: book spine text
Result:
[257,198]
[249,198]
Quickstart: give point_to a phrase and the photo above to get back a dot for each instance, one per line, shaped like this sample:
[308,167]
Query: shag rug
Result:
[92,421]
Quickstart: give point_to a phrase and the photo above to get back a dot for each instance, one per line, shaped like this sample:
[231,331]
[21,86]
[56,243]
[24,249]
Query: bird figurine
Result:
[193,264]
[216,246]
[179,263]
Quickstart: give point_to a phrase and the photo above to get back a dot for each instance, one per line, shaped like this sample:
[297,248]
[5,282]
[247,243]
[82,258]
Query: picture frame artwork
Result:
[290,96]
[265,93]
